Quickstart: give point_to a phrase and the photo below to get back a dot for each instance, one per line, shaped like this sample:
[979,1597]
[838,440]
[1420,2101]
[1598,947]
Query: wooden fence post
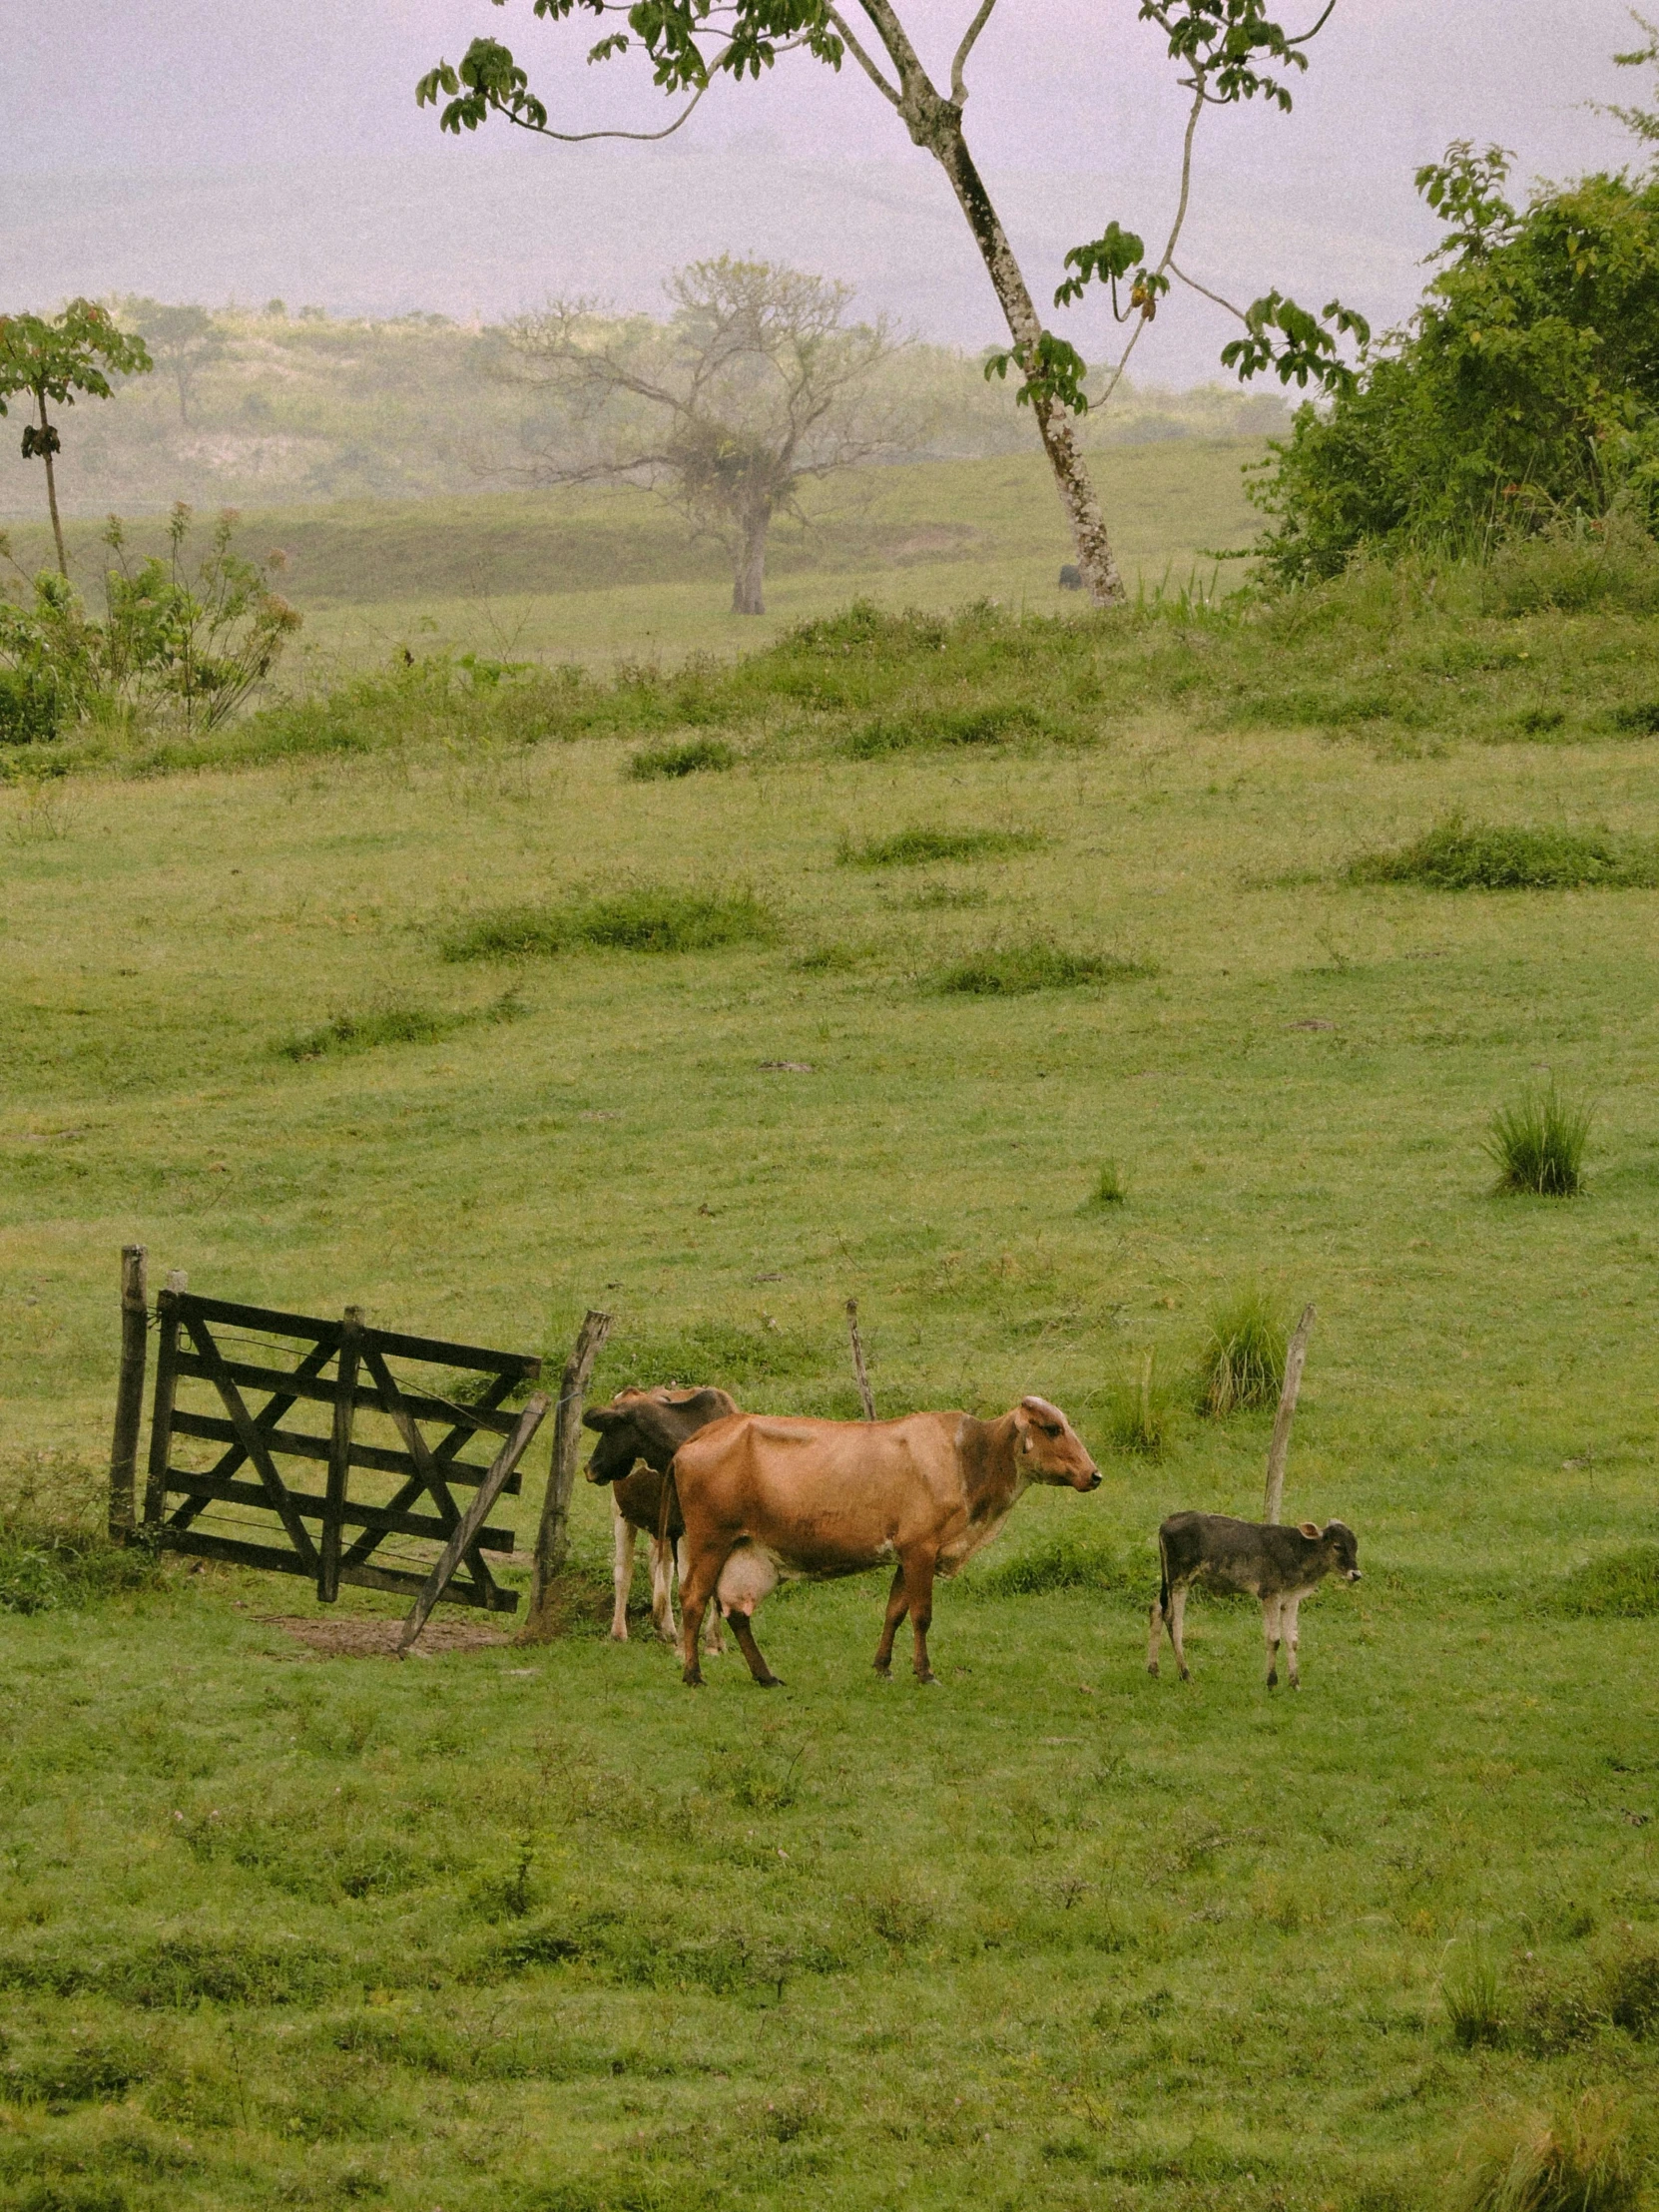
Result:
[858,1367]
[489,1489]
[161,1410]
[553,1532]
[129,1396]
[1280,1450]
[339,1453]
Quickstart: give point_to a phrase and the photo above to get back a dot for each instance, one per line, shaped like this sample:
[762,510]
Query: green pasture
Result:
[534,1928]
[597,577]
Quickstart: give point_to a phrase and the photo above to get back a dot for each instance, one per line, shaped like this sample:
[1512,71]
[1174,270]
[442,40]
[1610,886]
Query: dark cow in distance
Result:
[1281,1566]
[648,1427]
[763,1498]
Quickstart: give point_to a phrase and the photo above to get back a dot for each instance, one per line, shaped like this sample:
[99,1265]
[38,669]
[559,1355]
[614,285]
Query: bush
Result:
[657,763]
[1575,566]
[1538,1144]
[1464,856]
[1243,1360]
[48,1569]
[1579,2161]
[916,847]
[1008,970]
[1138,1410]
[1622,1585]
[644,921]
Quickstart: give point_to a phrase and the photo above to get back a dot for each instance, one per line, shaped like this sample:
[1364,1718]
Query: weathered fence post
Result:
[489,1489]
[858,1367]
[161,1408]
[129,1396]
[340,1452]
[553,1534]
[1280,1450]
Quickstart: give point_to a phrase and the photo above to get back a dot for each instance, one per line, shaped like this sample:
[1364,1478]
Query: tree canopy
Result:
[49,360]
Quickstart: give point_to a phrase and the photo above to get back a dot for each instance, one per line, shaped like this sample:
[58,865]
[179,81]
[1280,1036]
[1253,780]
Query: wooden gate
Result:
[390,1452]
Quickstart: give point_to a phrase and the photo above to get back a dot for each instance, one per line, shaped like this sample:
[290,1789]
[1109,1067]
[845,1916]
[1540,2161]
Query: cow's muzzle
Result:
[1091,1480]
[1352,1574]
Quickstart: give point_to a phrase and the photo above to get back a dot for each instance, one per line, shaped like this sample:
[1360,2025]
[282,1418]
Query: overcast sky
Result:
[194,149]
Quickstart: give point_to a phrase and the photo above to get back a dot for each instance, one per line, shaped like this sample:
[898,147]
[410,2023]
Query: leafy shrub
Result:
[47,1570]
[642,921]
[916,847]
[1006,971]
[659,763]
[1575,565]
[1243,1360]
[1538,1144]
[1138,1411]
[347,1033]
[1622,1585]
[1462,857]
[1581,2160]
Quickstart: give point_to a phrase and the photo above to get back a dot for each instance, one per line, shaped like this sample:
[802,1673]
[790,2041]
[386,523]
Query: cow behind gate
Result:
[648,1427]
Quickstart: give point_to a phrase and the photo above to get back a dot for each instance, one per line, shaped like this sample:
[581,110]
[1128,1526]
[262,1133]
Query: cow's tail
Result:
[670,1503]
[1163,1576]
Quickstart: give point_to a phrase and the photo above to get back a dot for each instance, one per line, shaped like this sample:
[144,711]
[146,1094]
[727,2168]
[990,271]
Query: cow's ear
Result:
[1308,1529]
[603,1418]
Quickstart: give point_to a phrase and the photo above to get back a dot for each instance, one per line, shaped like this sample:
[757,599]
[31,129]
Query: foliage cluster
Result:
[1539,1142]
[1243,1362]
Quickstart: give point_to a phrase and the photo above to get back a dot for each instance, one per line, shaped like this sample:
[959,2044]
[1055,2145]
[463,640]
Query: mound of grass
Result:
[1456,855]
[1005,971]
[1640,719]
[349,1033]
[1138,1411]
[643,920]
[918,848]
[697,756]
[1538,1144]
[1475,1998]
[1581,2160]
[1243,1360]
[47,1570]
[995,722]
[1110,1188]
[1621,1585]
[1068,1561]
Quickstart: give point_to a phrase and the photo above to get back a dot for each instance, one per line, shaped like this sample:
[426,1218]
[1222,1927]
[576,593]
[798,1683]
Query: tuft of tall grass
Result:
[1575,567]
[1458,855]
[1582,2159]
[695,756]
[1066,1561]
[46,1568]
[1473,1991]
[1537,1144]
[1242,1364]
[1110,1188]
[349,1033]
[994,722]
[647,919]
[916,847]
[1138,1411]
[1005,971]
[1621,1585]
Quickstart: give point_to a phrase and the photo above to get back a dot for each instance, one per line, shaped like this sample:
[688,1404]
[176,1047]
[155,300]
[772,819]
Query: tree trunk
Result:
[52,487]
[749,578]
[935,124]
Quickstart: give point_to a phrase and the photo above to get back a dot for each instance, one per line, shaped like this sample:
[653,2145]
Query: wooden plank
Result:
[296,1444]
[161,1410]
[265,1319]
[217,1371]
[391,1397]
[498,1390]
[424,1408]
[195,1543]
[340,1455]
[553,1529]
[1279,1451]
[524,1364]
[265,1419]
[129,1391]
[466,1535]
[205,1489]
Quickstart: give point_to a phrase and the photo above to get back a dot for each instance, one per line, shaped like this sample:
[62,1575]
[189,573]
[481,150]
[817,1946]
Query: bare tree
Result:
[756,384]
[183,341]
[1223,49]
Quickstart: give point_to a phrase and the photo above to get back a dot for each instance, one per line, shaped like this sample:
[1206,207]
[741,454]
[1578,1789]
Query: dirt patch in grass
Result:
[378,1639]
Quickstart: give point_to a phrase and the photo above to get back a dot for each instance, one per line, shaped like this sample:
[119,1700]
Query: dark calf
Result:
[1281,1566]
[639,1433]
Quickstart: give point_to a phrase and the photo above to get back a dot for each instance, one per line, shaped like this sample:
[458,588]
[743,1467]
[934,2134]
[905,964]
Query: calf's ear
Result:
[1307,1528]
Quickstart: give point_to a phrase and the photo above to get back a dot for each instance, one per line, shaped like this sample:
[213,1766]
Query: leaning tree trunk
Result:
[935,124]
[46,440]
[749,577]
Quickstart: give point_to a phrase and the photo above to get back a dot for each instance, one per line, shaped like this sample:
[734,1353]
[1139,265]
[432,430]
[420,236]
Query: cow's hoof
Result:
[1152,1668]
[883,1674]
[619,1635]
[1273,1682]
[692,1681]
[928,1681]
[768,1682]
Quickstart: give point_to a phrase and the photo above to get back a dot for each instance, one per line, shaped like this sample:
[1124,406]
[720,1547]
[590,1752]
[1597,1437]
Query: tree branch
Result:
[959,82]
[1192,283]
[844,34]
[581,138]
[1168,262]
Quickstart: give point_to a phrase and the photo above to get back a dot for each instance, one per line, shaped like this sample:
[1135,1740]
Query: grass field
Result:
[601,576]
[533,1928]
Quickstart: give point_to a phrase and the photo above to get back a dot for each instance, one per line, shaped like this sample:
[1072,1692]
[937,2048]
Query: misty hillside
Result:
[282,409]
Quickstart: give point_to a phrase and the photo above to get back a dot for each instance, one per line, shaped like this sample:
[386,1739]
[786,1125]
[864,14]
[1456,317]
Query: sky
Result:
[190,150]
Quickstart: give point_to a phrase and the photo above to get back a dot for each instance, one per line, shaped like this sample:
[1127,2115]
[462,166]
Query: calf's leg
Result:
[662,1595]
[1155,1633]
[1292,1641]
[622,1571]
[744,1631]
[897,1606]
[1177,1629]
[1271,1607]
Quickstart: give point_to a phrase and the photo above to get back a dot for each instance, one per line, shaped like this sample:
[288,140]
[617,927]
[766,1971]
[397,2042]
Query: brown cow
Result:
[763,1498]
[648,1427]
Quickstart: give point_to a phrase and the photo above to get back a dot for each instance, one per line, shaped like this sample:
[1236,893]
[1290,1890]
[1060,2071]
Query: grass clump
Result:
[1622,1585]
[994,722]
[1138,1411]
[918,848]
[1110,1188]
[695,755]
[645,921]
[1580,2160]
[1066,1561]
[1456,855]
[347,1033]
[1473,1991]
[1243,1362]
[1006,972]
[49,1570]
[1539,1142]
